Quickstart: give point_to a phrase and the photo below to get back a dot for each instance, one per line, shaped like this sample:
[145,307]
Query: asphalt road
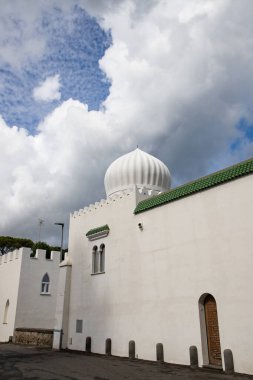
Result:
[25,362]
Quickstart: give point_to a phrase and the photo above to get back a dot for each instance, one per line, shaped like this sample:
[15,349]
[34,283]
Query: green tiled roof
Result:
[94,231]
[204,183]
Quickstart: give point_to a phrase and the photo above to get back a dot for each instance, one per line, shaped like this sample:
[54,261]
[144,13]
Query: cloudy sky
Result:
[83,82]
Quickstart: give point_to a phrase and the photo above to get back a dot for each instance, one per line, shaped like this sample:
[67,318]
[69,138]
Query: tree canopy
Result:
[9,243]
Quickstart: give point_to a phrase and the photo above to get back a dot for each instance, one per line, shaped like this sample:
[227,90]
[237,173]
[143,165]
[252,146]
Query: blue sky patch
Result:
[73,49]
[246,130]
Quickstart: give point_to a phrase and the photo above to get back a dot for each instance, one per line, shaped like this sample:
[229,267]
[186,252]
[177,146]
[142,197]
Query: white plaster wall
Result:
[10,266]
[62,306]
[36,310]
[154,278]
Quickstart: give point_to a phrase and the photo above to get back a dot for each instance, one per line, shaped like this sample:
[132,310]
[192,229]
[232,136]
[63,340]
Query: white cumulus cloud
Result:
[181,80]
[48,90]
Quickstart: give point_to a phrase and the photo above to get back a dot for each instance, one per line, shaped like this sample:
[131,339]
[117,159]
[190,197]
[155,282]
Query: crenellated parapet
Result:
[15,255]
[41,254]
[141,193]
[103,203]
[11,256]
[25,254]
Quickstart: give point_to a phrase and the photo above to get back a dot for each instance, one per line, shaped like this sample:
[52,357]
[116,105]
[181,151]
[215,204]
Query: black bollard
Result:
[229,361]
[132,349]
[88,344]
[194,361]
[159,352]
[108,346]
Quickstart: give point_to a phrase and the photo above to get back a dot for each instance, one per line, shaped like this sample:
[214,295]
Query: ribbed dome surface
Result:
[136,168]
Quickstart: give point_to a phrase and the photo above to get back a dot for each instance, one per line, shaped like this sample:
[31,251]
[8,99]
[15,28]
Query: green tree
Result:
[55,248]
[9,243]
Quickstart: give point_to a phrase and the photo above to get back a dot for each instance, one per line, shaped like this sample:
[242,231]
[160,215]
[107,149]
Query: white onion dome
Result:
[137,168]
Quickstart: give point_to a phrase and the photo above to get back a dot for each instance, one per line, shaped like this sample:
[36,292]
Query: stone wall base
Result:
[35,337]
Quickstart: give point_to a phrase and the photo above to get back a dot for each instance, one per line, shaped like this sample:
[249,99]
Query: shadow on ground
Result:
[25,362]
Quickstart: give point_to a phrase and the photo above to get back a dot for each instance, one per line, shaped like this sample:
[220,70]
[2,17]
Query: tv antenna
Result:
[41,221]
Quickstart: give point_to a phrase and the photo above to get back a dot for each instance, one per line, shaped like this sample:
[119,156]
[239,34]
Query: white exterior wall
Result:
[10,266]
[154,278]
[20,282]
[34,309]
[60,339]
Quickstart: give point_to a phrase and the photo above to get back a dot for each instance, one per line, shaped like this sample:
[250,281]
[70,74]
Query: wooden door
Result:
[212,331]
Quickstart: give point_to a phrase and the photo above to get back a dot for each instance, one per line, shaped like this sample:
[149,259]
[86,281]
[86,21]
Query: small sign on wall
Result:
[79,326]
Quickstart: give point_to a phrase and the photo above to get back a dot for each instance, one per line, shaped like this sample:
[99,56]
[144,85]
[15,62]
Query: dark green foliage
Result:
[9,243]
[56,248]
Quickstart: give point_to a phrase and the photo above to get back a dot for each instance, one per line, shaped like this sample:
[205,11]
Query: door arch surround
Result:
[209,326]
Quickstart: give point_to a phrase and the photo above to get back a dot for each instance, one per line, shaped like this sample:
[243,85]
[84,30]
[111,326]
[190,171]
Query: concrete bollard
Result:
[88,344]
[159,352]
[228,361]
[194,361]
[108,346]
[131,349]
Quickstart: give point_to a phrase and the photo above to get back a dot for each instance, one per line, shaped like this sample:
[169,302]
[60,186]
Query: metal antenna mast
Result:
[41,221]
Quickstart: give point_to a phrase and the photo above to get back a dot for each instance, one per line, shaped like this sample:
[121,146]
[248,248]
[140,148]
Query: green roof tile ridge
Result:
[201,184]
[96,230]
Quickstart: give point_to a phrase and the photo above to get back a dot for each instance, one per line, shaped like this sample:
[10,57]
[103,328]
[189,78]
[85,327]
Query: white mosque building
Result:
[154,273]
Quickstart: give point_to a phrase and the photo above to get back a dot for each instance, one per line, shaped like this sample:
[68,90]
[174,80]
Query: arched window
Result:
[98,259]
[95,259]
[102,257]
[45,284]
[5,320]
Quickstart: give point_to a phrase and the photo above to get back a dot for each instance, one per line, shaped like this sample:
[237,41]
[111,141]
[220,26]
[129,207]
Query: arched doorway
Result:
[212,330]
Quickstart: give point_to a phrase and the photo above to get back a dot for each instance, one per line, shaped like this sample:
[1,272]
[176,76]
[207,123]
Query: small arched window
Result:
[95,259]
[102,258]
[6,310]
[45,284]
